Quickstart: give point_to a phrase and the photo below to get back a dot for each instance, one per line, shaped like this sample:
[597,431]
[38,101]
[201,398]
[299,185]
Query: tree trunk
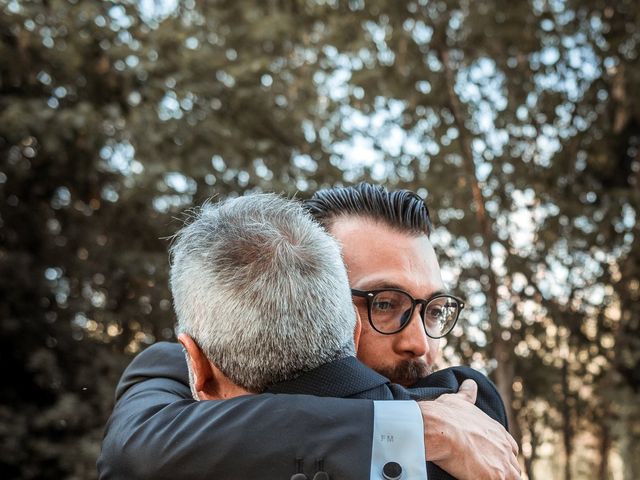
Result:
[501,349]
[605,446]
[533,439]
[567,429]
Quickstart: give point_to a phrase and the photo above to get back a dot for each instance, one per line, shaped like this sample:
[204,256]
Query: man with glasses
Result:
[390,261]
[398,290]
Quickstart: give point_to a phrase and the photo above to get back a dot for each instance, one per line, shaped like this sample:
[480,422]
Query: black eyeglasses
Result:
[391,310]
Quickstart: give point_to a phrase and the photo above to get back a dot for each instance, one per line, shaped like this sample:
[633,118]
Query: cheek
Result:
[371,337]
[370,355]
[434,347]
[367,329]
[374,347]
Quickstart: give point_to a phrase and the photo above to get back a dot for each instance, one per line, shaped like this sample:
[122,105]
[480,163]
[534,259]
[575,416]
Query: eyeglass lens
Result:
[391,310]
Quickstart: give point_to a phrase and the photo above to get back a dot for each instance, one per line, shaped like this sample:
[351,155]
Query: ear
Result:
[358,330]
[199,364]
[209,382]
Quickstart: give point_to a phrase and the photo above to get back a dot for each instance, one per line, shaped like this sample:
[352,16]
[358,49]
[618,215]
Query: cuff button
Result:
[392,471]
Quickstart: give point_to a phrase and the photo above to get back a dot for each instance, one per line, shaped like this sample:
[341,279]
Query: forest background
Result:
[518,121]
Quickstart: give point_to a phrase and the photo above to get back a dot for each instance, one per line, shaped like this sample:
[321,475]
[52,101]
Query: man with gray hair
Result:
[261,294]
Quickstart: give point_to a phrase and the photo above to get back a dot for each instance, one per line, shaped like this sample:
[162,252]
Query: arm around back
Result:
[488,398]
[157,431]
[468,441]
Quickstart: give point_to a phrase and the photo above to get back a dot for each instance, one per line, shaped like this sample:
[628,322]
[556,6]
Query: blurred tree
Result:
[519,122]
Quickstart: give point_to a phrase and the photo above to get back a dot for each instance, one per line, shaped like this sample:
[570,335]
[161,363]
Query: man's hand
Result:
[464,441]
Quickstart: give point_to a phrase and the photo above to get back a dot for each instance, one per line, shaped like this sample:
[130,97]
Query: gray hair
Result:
[262,289]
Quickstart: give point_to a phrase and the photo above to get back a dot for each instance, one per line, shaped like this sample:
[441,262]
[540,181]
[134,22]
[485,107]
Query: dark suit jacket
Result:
[157,431]
[349,378]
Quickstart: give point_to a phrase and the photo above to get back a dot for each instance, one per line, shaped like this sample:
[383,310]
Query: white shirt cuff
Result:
[398,436]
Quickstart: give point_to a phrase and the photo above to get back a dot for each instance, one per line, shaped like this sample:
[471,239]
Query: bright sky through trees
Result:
[517,121]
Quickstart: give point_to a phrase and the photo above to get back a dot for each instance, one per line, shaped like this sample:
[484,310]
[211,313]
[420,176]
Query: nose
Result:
[412,341]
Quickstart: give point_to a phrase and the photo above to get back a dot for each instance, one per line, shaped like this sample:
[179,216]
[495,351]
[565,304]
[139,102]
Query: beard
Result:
[407,372]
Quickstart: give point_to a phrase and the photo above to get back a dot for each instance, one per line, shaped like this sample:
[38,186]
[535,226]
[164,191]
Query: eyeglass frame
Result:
[369,295]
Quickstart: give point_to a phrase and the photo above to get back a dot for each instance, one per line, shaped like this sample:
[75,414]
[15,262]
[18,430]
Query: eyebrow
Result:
[388,285]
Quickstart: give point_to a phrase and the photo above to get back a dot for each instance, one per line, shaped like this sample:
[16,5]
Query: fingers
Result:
[514,473]
[469,390]
[514,445]
[515,466]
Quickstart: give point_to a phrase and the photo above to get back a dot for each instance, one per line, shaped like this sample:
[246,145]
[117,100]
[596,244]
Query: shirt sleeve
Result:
[397,450]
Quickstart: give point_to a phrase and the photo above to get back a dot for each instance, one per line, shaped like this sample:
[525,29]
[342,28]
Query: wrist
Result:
[437,435]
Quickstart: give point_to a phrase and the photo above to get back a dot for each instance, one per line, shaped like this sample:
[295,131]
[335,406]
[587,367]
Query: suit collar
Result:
[345,377]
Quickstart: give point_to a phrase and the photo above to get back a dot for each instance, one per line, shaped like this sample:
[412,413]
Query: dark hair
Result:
[401,209]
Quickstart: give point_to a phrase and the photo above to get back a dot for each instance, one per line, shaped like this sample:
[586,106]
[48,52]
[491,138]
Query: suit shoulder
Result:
[162,351]
[164,361]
